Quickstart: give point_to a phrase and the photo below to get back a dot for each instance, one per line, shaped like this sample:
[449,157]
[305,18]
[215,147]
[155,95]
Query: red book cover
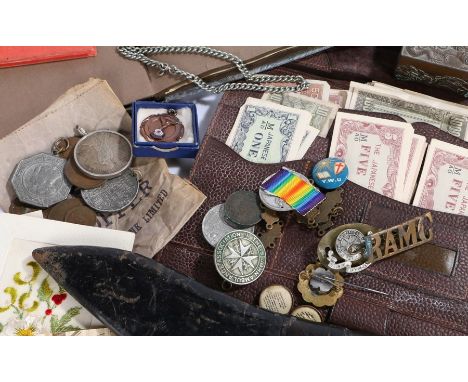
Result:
[27,55]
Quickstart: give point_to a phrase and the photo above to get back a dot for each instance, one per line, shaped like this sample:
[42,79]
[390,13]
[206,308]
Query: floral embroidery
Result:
[22,304]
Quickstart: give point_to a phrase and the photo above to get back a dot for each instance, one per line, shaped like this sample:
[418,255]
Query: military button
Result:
[276,298]
[330,173]
[308,313]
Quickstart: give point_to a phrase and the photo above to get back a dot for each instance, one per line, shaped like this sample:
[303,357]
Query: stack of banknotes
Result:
[382,155]
[282,127]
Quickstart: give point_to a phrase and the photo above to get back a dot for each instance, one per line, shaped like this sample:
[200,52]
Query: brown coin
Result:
[18,208]
[59,211]
[81,215]
[77,178]
[72,141]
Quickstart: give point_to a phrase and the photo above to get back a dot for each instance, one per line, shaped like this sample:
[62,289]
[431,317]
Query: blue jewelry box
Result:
[186,147]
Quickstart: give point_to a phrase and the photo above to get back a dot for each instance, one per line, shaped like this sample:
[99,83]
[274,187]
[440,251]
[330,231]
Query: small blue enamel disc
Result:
[330,173]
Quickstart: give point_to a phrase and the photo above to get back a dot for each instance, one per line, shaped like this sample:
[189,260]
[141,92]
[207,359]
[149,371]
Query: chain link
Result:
[255,81]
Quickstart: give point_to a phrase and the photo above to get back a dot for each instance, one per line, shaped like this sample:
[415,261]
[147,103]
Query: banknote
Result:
[265,132]
[447,116]
[338,97]
[376,151]
[322,112]
[415,159]
[443,185]
[317,89]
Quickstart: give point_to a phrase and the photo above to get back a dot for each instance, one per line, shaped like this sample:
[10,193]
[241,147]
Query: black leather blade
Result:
[134,295]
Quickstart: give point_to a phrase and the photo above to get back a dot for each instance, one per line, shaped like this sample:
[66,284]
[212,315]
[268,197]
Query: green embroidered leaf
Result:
[66,318]
[61,290]
[45,292]
[53,324]
[13,294]
[69,328]
[23,297]
[1,327]
[61,325]
[36,270]
[4,308]
[22,300]
[17,279]
[33,307]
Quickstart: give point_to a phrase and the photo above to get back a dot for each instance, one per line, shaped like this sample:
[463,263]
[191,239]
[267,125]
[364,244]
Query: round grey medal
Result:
[39,180]
[214,226]
[240,257]
[114,195]
[103,154]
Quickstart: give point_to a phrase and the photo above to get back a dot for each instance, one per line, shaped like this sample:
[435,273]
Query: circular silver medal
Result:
[273,202]
[103,154]
[349,244]
[240,257]
[214,226]
[114,195]
[39,180]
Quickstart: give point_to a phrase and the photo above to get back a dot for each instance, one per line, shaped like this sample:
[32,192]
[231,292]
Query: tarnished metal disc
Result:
[242,209]
[240,257]
[39,180]
[81,215]
[214,226]
[103,154]
[18,208]
[114,195]
[59,211]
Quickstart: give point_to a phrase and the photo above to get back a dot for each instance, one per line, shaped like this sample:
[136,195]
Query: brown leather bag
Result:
[427,287]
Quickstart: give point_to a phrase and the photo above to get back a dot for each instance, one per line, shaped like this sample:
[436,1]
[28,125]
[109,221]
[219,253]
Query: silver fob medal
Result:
[103,154]
[39,180]
[240,257]
[114,195]
[214,226]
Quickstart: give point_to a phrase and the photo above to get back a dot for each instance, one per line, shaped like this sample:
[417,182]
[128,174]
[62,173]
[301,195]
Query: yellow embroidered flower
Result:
[29,330]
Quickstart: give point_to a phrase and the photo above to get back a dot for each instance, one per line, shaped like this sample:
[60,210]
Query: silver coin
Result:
[349,244]
[273,202]
[114,195]
[240,257]
[214,226]
[39,180]
[103,154]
